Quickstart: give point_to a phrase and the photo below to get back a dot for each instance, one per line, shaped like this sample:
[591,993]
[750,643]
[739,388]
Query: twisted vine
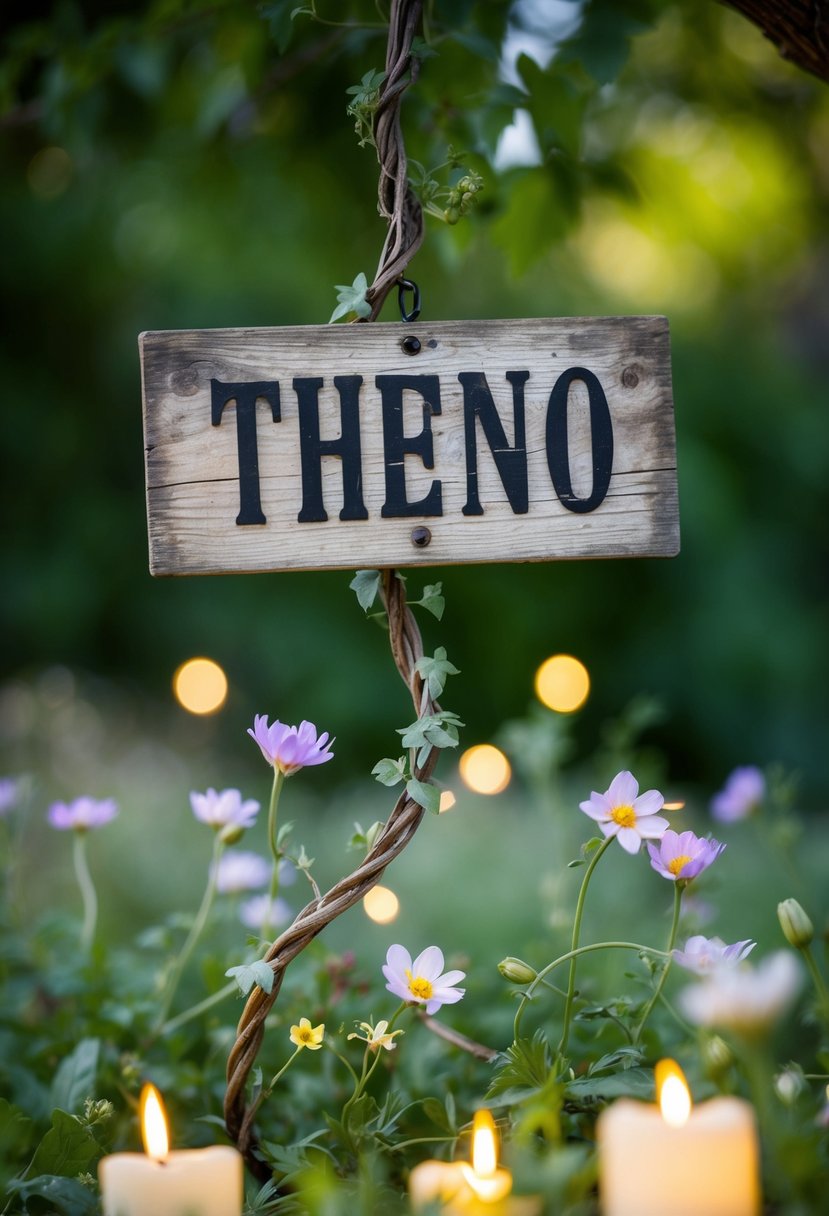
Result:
[406,648]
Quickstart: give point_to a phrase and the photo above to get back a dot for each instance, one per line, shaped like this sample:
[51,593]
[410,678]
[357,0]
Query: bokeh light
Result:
[485,769]
[562,683]
[200,686]
[381,905]
[677,805]
[447,801]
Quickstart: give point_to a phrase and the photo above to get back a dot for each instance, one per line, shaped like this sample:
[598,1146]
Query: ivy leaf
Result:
[249,974]
[66,1149]
[352,299]
[63,1195]
[365,585]
[441,730]
[424,795]
[435,671]
[432,600]
[389,772]
[75,1077]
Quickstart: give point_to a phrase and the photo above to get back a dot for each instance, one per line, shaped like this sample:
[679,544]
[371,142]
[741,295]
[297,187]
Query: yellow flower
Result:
[376,1036]
[306,1035]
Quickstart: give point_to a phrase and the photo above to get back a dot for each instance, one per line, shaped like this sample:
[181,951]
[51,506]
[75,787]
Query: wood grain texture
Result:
[192,466]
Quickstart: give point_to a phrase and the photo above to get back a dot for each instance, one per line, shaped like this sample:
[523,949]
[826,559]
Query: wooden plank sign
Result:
[347,446]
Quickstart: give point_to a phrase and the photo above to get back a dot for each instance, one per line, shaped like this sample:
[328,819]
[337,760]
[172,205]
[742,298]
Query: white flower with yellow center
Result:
[626,814]
[376,1036]
[421,981]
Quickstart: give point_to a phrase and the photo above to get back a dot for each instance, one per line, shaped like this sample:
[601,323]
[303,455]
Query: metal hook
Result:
[404,285]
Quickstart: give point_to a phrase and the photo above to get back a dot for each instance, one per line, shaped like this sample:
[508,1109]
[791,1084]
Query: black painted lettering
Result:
[246,396]
[347,447]
[511,462]
[601,438]
[397,445]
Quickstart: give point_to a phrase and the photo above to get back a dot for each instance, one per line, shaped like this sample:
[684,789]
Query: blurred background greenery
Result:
[191,164]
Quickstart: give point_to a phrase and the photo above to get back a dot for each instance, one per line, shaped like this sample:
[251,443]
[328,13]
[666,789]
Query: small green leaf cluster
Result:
[363,105]
[351,299]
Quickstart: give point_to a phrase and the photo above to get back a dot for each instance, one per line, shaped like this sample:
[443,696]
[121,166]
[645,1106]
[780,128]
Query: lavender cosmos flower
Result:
[625,813]
[82,814]
[743,792]
[11,789]
[258,910]
[421,981]
[290,748]
[681,856]
[702,955]
[240,871]
[221,809]
[744,999]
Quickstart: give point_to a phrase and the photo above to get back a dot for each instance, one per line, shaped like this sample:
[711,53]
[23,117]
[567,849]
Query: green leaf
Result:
[436,670]
[66,1149]
[75,1077]
[527,1072]
[388,771]
[366,585]
[424,795]
[441,730]
[15,1137]
[631,1082]
[64,1195]
[432,600]
[352,299]
[249,974]
[421,50]
[437,1113]
[578,861]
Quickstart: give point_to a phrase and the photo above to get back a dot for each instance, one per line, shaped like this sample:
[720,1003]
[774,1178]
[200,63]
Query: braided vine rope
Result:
[406,648]
[397,202]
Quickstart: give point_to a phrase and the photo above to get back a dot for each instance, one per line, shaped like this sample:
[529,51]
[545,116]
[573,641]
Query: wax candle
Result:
[676,1159]
[157,1182]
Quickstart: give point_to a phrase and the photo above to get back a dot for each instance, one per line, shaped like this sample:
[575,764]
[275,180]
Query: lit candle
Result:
[672,1158]
[481,1188]
[192,1182]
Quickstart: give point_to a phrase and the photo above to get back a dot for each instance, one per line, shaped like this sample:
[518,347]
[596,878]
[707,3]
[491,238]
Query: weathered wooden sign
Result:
[343,446]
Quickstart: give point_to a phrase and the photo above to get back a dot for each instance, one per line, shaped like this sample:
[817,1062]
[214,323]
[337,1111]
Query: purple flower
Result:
[82,814]
[625,813]
[222,809]
[258,910]
[241,871]
[743,792]
[681,856]
[11,791]
[421,981]
[290,748]
[702,955]
[745,999]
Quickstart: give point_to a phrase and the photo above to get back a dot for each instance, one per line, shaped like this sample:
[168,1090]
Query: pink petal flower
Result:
[221,809]
[679,857]
[703,955]
[625,813]
[82,814]
[240,871]
[290,748]
[421,982]
[743,792]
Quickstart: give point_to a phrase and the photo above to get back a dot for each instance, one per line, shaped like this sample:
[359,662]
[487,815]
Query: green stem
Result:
[819,982]
[266,1093]
[678,889]
[571,984]
[90,899]
[202,1007]
[563,958]
[273,808]
[194,934]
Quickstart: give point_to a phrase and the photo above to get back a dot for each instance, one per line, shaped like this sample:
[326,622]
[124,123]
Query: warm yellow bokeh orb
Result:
[673,806]
[381,905]
[562,683]
[447,801]
[485,769]
[200,686]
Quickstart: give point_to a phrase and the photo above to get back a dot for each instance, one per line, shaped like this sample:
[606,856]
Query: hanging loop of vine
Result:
[407,649]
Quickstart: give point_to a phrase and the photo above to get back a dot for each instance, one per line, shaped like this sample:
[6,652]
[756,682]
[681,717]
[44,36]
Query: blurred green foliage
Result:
[187,163]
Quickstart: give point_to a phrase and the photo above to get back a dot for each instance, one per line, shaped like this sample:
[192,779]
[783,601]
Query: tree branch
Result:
[798,28]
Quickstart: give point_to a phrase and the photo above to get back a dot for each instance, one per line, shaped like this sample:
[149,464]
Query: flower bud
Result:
[516,971]
[372,834]
[797,928]
[788,1085]
[231,833]
[716,1055]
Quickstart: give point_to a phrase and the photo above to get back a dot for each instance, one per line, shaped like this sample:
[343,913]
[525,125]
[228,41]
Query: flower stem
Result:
[571,984]
[678,889]
[819,982]
[276,790]
[90,899]
[268,1090]
[540,979]
[194,934]
[202,1007]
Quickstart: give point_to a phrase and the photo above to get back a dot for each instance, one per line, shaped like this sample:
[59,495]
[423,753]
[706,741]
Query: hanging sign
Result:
[345,446]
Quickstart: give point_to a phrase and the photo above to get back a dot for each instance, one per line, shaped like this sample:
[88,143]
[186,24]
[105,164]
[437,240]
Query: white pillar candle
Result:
[190,1182]
[707,1166]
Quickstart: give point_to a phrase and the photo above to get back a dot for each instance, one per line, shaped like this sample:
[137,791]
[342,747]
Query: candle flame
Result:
[484,1144]
[154,1124]
[672,1093]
